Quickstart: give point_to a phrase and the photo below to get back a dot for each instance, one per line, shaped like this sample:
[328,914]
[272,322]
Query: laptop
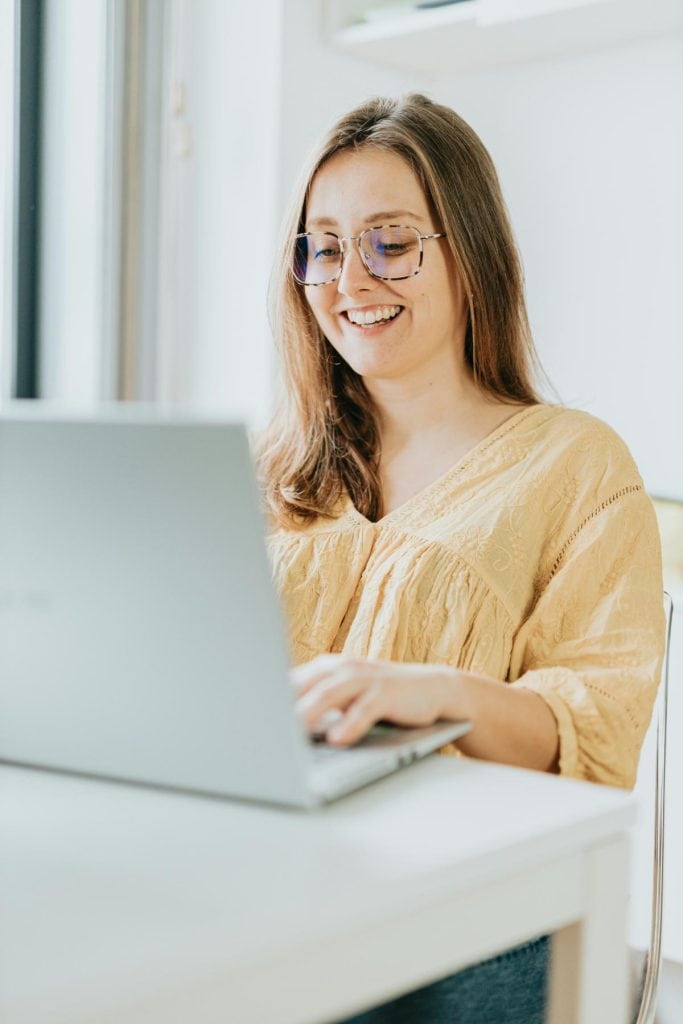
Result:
[140,633]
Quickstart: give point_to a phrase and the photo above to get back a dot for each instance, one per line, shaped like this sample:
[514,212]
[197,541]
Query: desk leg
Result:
[589,967]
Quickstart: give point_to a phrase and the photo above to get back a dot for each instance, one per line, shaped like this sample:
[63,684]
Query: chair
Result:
[646,1007]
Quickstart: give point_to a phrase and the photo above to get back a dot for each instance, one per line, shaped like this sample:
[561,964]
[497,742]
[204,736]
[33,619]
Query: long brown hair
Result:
[324,436]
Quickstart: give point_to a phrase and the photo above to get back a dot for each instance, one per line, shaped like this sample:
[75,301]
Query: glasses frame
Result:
[357,239]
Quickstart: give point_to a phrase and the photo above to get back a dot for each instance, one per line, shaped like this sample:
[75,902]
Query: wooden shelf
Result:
[480,34]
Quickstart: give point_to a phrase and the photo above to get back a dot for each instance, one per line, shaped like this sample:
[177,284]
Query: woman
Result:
[446,544]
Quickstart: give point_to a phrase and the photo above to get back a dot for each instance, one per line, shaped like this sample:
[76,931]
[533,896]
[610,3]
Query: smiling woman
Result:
[413,166]
[446,544]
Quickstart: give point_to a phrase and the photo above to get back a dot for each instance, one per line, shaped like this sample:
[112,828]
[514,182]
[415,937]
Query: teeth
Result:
[373,316]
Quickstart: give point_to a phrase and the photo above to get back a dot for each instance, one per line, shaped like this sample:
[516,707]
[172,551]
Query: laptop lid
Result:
[140,635]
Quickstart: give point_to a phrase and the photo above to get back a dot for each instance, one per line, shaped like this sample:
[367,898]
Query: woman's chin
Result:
[370,362]
[375,369]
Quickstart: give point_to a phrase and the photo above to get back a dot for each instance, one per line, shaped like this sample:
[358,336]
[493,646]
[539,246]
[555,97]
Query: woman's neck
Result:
[432,409]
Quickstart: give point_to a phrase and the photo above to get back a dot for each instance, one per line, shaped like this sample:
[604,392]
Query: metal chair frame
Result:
[653,957]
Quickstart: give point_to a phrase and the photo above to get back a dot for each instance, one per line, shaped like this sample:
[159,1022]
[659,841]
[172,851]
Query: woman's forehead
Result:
[360,185]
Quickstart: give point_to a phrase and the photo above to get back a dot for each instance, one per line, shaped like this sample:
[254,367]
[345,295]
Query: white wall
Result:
[319,85]
[590,153]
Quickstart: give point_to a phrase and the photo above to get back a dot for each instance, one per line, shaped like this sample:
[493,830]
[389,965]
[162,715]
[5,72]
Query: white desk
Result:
[126,905]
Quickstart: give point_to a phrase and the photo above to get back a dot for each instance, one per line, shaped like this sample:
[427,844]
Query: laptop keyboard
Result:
[320,752]
[344,759]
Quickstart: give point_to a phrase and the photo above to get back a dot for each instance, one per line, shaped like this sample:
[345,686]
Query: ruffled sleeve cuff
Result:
[568,742]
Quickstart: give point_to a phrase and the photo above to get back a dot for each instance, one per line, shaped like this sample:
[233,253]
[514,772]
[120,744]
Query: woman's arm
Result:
[513,726]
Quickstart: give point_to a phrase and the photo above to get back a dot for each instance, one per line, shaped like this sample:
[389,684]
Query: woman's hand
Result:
[510,725]
[367,691]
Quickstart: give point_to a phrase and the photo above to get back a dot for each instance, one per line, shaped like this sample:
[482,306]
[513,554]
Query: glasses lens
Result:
[392,253]
[317,258]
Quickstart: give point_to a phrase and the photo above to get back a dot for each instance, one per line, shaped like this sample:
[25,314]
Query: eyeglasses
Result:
[391,253]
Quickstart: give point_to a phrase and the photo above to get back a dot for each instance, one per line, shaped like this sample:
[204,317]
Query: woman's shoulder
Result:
[574,442]
[563,467]
[579,422]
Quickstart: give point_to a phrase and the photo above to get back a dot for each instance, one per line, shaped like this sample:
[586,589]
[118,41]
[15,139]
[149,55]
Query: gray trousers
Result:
[507,989]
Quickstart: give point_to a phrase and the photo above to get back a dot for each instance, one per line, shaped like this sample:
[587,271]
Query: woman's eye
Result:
[393,249]
[326,254]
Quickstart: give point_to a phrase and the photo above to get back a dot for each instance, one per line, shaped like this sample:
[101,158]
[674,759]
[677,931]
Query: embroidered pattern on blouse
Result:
[632,489]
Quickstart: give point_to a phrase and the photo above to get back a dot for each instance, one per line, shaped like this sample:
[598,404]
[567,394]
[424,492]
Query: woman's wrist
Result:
[509,725]
[454,695]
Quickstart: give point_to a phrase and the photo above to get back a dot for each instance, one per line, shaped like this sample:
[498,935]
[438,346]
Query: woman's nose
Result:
[354,275]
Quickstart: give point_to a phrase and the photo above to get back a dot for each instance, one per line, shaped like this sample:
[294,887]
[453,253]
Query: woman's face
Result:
[371,188]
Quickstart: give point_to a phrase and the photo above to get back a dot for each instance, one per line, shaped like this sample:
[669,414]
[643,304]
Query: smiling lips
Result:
[370,317]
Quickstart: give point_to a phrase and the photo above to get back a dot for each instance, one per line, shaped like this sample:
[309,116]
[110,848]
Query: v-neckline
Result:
[420,496]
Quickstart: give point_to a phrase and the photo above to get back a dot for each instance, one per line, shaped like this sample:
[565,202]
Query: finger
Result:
[304,677]
[338,691]
[360,717]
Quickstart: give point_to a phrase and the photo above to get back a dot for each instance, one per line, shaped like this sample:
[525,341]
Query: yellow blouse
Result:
[534,560]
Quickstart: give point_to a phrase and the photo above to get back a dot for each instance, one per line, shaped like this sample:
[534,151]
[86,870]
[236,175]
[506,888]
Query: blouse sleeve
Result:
[593,644]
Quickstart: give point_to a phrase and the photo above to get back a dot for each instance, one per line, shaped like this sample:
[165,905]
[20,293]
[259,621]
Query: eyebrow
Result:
[374,218]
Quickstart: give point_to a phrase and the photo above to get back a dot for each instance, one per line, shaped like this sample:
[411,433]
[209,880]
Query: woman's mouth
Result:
[372,320]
